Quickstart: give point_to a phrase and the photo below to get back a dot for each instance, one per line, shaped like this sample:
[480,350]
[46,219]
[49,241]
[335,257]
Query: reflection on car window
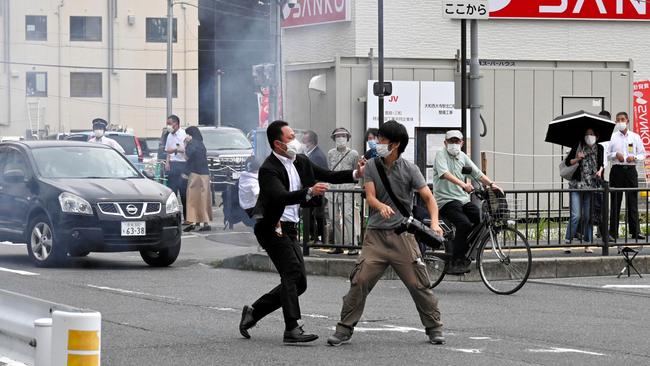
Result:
[82,162]
[11,160]
[225,140]
[127,142]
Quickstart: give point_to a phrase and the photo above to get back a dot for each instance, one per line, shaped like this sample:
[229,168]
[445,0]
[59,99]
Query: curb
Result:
[542,267]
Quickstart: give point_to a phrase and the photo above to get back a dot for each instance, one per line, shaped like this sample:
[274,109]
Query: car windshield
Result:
[127,142]
[225,140]
[152,144]
[82,162]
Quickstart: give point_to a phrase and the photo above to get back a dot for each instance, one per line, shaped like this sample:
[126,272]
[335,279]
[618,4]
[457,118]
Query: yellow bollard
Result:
[76,338]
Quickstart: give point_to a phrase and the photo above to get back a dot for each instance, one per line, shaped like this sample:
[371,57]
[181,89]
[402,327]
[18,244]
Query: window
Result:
[36,27]
[86,84]
[36,84]
[157,86]
[157,30]
[86,29]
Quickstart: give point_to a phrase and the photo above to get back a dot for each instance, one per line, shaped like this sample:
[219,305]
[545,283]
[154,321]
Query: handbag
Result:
[413,225]
[567,171]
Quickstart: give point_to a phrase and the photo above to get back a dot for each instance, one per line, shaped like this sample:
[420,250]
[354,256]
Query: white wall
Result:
[416,29]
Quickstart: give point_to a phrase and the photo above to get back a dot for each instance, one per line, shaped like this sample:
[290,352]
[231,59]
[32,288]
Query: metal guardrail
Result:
[541,215]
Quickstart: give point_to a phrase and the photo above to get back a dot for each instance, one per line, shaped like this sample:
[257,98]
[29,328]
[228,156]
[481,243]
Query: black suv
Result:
[227,150]
[68,198]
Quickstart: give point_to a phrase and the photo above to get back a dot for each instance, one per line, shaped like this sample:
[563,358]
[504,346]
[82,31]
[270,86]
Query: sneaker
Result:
[338,339]
[353,252]
[336,251]
[459,267]
[436,336]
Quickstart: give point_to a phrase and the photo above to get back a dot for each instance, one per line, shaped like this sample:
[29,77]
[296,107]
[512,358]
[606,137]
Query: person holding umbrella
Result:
[589,157]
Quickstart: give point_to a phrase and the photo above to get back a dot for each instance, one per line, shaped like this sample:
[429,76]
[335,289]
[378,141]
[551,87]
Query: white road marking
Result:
[187,236]
[9,362]
[481,338]
[223,309]
[464,350]
[626,286]
[317,316]
[565,350]
[388,328]
[129,292]
[17,271]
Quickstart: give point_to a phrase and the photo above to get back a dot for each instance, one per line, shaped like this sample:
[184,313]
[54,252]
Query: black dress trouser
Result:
[624,176]
[464,217]
[286,255]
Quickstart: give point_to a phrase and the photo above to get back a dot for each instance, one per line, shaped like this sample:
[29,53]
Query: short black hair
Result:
[623,114]
[395,132]
[313,137]
[194,132]
[274,131]
[605,113]
[174,119]
[371,131]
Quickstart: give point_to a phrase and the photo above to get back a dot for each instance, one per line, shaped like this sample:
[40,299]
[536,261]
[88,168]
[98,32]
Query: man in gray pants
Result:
[382,247]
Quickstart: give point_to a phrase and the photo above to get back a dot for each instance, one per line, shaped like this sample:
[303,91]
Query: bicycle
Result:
[503,255]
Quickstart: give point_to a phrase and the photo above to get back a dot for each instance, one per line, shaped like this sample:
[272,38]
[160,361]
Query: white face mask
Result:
[453,149]
[590,139]
[170,129]
[341,141]
[294,148]
[383,151]
[620,126]
[98,133]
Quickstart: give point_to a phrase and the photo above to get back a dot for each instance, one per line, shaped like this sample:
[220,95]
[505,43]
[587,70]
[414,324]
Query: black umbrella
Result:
[569,129]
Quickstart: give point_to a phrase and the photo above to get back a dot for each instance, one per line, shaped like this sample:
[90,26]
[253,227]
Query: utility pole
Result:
[218,95]
[463,80]
[475,102]
[380,26]
[275,89]
[170,29]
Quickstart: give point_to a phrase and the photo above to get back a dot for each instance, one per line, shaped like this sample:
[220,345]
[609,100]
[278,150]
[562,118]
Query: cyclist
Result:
[453,195]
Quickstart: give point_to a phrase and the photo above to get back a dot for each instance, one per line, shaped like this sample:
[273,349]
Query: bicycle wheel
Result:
[504,260]
[436,265]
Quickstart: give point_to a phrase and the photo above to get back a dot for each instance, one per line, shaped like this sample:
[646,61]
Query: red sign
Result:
[570,9]
[312,12]
[641,118]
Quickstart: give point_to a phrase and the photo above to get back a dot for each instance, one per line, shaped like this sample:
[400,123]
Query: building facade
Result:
[67,62]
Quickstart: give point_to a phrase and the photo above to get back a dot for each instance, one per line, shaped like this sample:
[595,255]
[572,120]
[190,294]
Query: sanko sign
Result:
[570,9]
[312,12]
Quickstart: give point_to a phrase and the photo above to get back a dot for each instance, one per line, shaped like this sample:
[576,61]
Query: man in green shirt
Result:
[453,195]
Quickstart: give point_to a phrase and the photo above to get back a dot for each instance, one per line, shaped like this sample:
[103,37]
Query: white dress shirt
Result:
[174,139]
[249,189]
[629,144]
[291,213]
[108,142]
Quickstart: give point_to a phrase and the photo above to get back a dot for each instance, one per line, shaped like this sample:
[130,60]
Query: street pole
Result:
[274,88]
[463,80]
[218,94]
[170,28]
[380,26]
[475,102]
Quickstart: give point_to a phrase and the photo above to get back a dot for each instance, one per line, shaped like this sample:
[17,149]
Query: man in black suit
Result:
[318,214]
[287,182]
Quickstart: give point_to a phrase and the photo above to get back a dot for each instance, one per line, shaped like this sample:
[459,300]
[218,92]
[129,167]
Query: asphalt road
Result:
[188,314]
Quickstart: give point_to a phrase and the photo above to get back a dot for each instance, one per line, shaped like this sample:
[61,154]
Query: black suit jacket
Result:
[274,188]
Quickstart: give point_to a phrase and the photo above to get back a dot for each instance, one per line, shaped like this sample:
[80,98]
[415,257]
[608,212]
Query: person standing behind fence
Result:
[589,157]
[175,147]
[318,157]
[371,144]
[624,151]
[199,191]
[343,158]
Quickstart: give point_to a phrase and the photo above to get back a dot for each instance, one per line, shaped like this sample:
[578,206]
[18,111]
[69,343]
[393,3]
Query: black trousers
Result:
[464,217]
[317,223]
[286,255]
[177,184]
[624,176]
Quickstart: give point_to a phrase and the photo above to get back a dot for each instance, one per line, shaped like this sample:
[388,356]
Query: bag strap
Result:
[389,189]
[337,164]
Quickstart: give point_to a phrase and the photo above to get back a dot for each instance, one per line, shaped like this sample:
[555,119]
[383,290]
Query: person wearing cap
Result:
[99,130]
[342,158]
[452,192]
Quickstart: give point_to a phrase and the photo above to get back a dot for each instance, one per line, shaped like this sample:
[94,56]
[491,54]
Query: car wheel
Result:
[42,246]
[161,258]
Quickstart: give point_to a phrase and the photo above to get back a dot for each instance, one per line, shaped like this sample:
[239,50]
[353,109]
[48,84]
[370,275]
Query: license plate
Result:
[134,228]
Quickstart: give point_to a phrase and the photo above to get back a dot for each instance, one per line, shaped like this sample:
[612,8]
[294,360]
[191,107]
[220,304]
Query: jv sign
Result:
[570,9]
[312,12]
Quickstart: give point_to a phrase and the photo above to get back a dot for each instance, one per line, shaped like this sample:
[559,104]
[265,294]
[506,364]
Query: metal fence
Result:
[543,216]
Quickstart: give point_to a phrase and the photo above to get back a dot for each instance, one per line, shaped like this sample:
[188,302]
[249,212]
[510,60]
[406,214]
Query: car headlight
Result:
[171,206]
[71,203]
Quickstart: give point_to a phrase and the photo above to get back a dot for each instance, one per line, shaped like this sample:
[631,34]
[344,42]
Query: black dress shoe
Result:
[247,321]
[459,267]
[189,228]
[638,237]
[298,335]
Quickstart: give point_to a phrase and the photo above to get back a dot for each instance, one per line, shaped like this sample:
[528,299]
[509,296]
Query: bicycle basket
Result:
[502,208]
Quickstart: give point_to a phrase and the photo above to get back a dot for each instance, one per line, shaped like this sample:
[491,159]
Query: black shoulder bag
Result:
[411,224]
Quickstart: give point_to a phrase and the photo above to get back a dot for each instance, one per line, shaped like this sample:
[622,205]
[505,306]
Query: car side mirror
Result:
[467,170]
[148,174]
[14,176]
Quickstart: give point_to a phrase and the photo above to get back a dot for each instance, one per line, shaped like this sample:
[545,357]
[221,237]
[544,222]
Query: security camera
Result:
[292,3]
